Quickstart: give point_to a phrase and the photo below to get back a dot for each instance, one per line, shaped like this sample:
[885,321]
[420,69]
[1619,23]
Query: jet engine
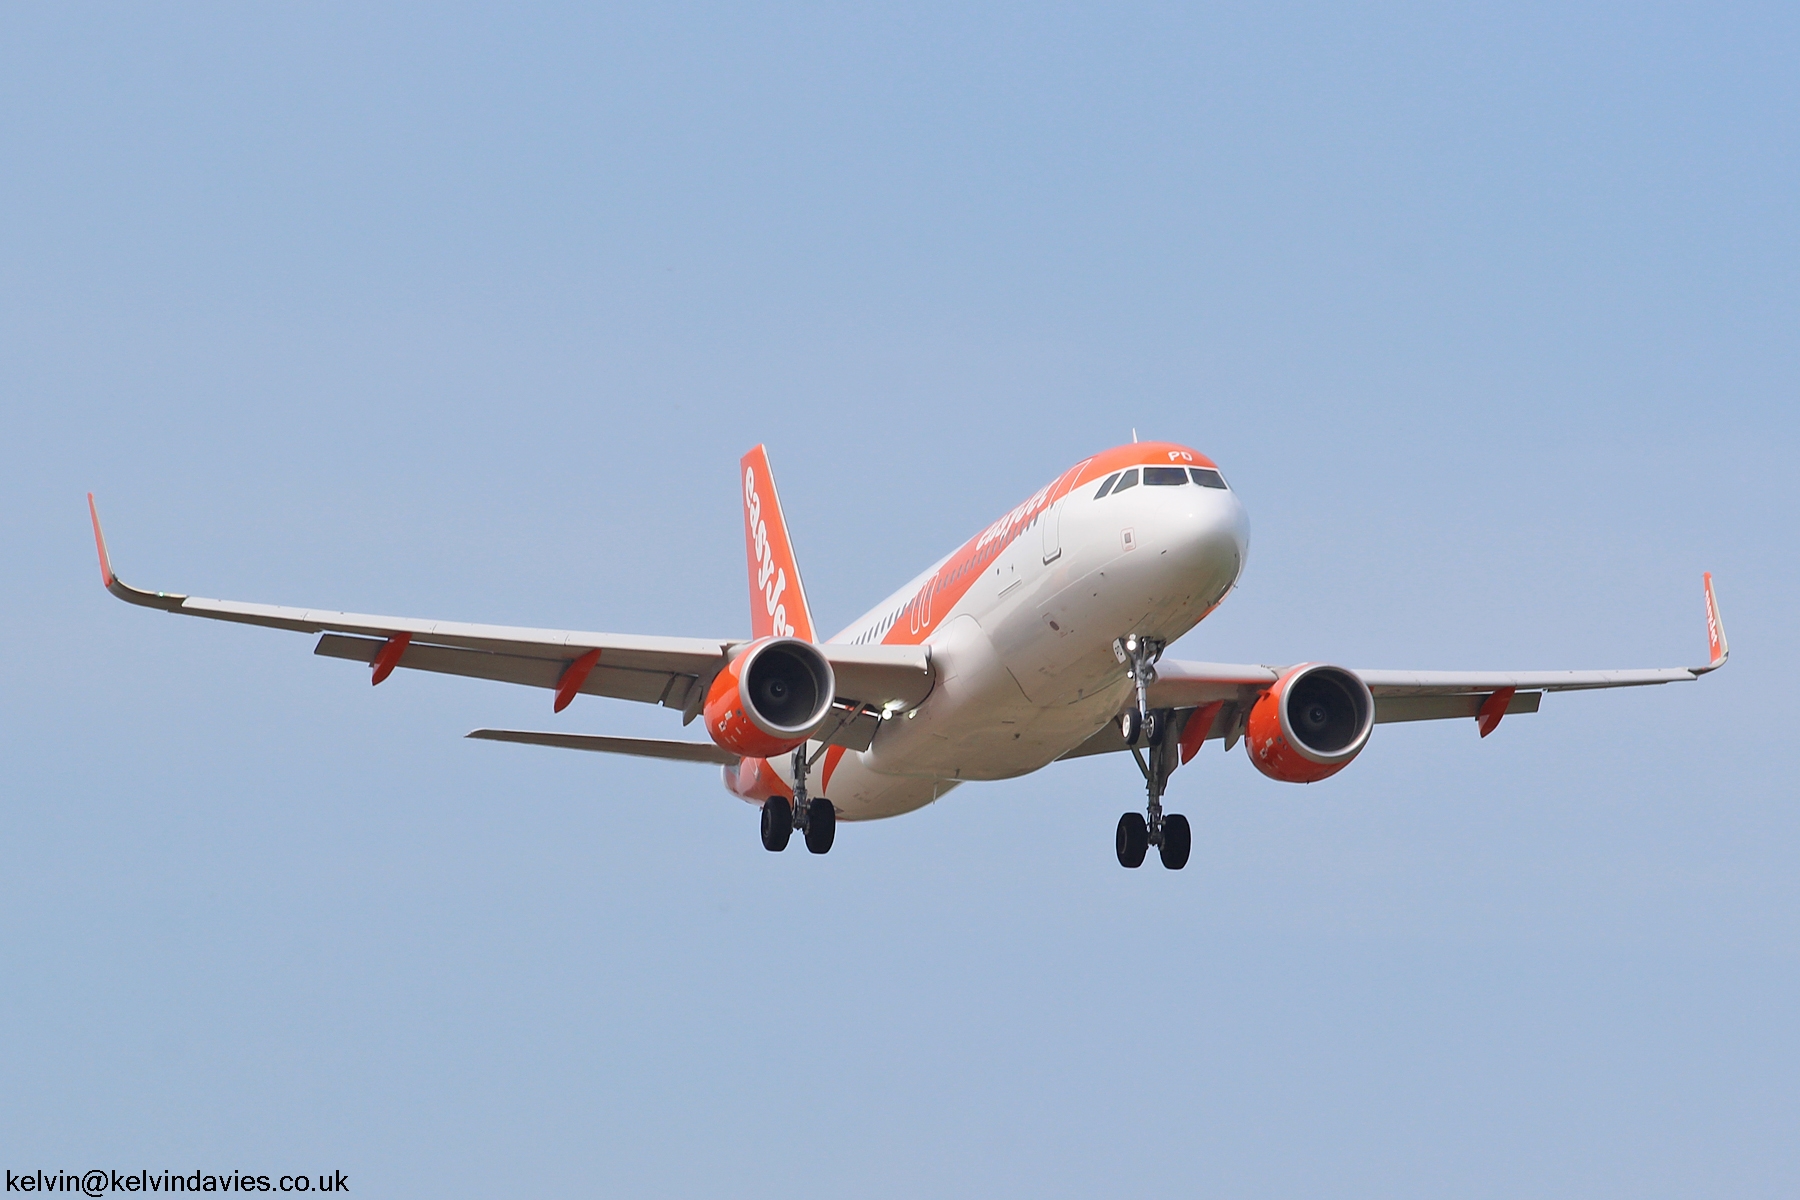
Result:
[770,698]
[1310,724]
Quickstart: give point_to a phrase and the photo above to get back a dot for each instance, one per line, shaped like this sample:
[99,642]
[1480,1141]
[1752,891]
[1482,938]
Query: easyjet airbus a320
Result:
[1038,639]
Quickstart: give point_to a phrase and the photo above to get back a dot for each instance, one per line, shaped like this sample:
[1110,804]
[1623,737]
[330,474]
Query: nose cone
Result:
[1211,537]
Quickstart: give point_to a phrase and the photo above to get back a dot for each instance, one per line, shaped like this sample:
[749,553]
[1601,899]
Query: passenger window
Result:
[1128,479]
[1206,478]
[1164,477]
[1107,486]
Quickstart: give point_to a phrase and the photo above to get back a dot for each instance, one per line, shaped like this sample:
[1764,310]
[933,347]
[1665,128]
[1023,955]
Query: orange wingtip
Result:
[1715,628]
[106,573]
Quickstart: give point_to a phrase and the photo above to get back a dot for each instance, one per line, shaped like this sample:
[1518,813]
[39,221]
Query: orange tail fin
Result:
[777,599]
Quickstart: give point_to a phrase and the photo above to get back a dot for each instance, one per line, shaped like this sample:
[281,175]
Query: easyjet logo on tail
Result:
[777,599]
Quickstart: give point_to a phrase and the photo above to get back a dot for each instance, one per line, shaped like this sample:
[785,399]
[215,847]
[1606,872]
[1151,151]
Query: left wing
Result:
[671,671]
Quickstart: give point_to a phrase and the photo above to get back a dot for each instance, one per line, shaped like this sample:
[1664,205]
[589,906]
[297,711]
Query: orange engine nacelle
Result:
[770,698]
[1310,724]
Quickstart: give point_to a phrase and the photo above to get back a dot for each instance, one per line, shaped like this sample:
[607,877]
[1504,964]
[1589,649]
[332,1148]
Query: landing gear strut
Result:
[1148,727]
[815,817]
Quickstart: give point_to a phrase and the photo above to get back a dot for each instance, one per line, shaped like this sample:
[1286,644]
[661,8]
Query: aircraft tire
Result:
[1177,841]
[821,825]
[777,823]
[1131,726]
[1133,840]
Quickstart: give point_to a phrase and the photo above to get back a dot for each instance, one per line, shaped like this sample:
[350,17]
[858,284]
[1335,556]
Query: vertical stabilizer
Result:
[777,599]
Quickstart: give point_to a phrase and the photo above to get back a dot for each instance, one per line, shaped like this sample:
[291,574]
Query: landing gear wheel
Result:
[777,823]
[1131,725]
[1153,729]
[1177,841]
[1133,840]
[821,825]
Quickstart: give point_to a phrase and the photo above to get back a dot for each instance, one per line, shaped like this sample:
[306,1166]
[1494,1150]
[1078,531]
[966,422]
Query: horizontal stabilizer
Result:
[700,752]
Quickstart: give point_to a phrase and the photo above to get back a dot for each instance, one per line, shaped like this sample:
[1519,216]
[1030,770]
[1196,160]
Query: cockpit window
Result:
[1107,486]
[1129,479]
[1164,477]
[1207,478]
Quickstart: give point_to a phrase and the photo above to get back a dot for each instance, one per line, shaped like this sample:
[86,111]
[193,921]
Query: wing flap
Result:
[1190,684]
[881,675]
[1108,739]
[623,683]
[1389,709]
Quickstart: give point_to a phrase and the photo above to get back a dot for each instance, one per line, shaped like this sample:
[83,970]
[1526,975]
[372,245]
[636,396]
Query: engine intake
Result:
[1310,724]
[770,698]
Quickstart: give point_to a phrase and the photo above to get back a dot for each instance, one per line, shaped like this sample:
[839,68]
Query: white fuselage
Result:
[1023,652]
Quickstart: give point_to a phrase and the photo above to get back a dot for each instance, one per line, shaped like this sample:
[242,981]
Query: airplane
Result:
[1039,639]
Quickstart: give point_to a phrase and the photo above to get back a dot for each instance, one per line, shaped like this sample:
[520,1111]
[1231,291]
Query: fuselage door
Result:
[1052,523]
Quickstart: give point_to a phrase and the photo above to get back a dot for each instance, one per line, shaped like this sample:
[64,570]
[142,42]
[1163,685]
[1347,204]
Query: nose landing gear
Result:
[1148,727]
[1168,832]
[816,817]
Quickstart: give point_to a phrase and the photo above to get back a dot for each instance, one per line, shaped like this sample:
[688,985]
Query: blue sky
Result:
[1490,317]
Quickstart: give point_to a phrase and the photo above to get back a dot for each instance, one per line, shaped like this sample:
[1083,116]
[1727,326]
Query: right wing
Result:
[671,671]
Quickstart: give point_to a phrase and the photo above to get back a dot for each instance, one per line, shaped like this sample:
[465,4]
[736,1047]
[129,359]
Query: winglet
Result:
[106,575]
[1715,630]
[777,599]
[124,591]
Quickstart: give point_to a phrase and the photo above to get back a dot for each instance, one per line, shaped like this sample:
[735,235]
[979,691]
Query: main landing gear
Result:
[816,818]
[1148,728]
